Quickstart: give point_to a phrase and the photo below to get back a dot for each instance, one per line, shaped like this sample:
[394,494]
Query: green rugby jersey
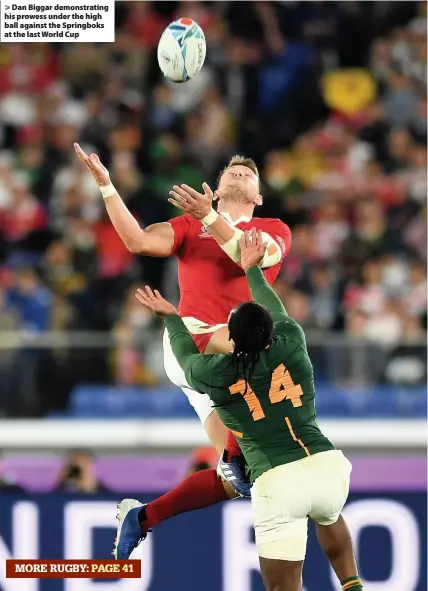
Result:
[275,421]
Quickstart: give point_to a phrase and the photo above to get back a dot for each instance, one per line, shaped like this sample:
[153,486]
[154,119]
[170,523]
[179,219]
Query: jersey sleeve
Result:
[181,226]
[200,370]
[204,374]
[263,294]
[280,234]
[292,330]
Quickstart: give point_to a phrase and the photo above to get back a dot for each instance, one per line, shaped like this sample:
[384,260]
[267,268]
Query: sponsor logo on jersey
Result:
[204,233]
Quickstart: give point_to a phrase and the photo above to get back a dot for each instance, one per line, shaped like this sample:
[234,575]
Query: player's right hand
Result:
[153,301]
[252,249]
[95,166]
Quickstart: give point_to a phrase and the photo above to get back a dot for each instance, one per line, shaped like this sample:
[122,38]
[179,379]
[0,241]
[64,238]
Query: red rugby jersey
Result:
[211,284]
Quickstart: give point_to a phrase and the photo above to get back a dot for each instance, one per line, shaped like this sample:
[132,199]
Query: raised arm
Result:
[156,240]
[252,252]
[182,343]
[263,294]
[198,369]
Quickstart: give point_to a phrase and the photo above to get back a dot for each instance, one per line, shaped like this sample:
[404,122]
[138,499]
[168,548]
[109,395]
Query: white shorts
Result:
[284,497]
[200,402]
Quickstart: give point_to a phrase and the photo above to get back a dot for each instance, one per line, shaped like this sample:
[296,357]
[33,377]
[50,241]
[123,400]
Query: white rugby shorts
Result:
[200,402]
[284,497]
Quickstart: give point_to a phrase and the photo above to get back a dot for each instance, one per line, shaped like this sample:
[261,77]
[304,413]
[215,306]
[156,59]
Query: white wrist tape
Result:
[233,250]
[269,260]
[108,190]
[209,219]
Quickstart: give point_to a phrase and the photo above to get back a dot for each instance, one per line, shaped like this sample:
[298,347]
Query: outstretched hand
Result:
[95,166]
[153,301]
[252,249]
[198,205]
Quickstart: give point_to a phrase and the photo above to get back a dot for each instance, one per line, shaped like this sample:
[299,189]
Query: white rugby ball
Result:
[181,50]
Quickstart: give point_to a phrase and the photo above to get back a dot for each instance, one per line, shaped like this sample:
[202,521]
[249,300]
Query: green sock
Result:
[352,584]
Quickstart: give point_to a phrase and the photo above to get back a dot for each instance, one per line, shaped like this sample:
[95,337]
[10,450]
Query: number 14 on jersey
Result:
[282,388]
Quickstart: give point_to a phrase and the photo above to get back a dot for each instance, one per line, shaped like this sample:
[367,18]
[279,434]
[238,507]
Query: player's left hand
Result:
[155,302]
[252,249]
[198,205]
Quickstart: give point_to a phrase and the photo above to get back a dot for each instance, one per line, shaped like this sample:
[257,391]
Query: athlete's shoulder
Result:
[274,224]
[290,329]
[185,222]
[212,374]
[223,360]
[184,226]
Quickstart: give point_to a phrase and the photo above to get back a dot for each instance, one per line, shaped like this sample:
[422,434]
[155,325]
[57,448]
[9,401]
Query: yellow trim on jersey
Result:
[350,584]
[293,435]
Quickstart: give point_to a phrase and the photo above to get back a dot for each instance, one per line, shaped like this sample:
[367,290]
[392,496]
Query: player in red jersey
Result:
[207,246]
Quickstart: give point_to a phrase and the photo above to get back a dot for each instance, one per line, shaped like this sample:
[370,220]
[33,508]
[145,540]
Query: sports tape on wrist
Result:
[108,190]
[210,218]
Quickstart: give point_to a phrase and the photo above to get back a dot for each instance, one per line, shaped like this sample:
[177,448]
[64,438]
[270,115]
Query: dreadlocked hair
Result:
[251,330]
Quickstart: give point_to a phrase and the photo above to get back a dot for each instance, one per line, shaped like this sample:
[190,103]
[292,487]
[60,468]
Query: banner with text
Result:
[211,549]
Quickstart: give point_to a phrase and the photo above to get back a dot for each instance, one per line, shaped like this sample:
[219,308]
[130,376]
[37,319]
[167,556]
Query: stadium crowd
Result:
[329,98]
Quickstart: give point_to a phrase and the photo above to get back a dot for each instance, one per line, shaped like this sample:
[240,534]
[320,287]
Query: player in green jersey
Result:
[264,392]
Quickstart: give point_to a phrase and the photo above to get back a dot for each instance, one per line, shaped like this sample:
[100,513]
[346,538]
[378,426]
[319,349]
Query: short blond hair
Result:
[238,160]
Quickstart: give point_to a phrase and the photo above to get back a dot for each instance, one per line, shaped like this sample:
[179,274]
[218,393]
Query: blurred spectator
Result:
[23,214]
[380,61]
[321,286]
[398,150]
[400,99]
[29,300]
[370,237]
[67,283]
[407,364]
[372,297]
[415,298]
[17,106]
[30,303]
[145,24]
[78,475]
[209,137]
[386,326]
[331,229]
[418,122]
[134,337]
[415,235]
[203,458]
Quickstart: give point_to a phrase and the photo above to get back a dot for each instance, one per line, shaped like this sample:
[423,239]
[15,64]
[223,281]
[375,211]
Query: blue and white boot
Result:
[234,473]
[129,532]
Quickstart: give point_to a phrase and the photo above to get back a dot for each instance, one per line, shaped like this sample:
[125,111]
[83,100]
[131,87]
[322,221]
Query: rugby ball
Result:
[181,50]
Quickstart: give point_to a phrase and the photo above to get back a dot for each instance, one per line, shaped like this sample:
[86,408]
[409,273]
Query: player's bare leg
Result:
[335,541]
[216,432]
[281,575]
[219,342]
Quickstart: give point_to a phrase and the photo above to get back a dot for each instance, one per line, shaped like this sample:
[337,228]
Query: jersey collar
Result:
[228,218]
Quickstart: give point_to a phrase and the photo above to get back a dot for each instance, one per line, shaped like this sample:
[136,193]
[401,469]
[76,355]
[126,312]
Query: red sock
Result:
[198,490]
[232,447]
